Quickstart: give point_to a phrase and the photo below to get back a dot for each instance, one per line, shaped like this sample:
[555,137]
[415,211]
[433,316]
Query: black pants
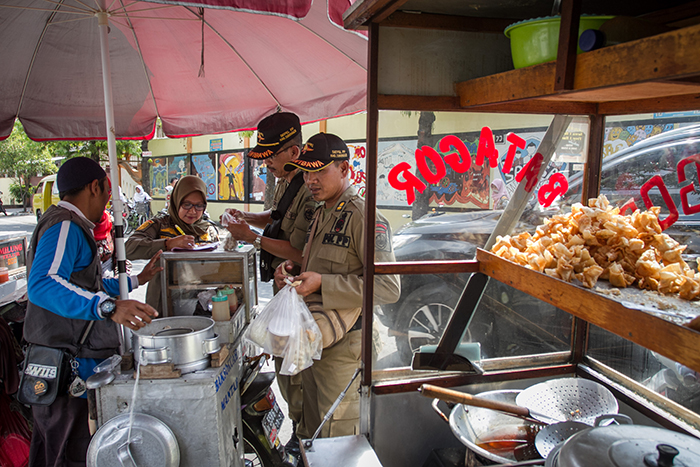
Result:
[61,434]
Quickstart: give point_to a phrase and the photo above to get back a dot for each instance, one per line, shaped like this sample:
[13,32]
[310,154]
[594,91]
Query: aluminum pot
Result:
[626,446]
[186,341]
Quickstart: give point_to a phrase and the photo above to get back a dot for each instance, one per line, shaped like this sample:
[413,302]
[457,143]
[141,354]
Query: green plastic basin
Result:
[536,40]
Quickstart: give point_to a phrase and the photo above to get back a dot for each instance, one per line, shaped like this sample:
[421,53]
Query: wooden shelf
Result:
[658,73]
[655,333]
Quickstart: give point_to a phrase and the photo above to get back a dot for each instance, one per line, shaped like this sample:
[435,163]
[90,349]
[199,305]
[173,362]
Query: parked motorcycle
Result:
[262,417]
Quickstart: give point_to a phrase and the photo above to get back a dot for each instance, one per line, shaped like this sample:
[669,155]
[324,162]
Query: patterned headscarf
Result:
[184,187]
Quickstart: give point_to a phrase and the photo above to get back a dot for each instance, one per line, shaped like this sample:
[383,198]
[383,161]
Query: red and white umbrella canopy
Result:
[214,69]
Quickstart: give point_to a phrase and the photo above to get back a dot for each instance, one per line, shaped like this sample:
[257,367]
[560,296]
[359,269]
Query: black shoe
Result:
[292,445]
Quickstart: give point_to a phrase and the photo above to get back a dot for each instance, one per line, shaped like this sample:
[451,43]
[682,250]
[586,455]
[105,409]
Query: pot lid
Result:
[629,446]
[152,443]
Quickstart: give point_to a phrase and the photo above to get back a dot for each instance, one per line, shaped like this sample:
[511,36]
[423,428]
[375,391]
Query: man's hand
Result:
[133,314]
[310,283]
[185,242]
[240,230]
[282,272]
[150,269]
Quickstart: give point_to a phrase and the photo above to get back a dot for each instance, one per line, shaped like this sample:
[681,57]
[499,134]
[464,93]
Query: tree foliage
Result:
[22,159]
[96,150]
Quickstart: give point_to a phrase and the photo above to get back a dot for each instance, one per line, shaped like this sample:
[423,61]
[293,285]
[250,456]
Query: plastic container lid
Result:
[226,291]
[219,297]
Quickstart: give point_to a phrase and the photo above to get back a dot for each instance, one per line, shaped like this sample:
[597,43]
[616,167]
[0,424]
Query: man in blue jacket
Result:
[68,300]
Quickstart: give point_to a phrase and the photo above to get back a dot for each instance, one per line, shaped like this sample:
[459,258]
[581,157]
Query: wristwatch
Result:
[257,242]
[108,307]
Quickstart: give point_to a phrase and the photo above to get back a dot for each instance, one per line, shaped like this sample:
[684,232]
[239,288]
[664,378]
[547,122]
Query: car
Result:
[45,195]
[427,301]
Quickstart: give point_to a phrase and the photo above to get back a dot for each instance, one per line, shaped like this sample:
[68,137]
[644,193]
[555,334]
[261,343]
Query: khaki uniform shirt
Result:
[337,252]
[151,237]
[297,218]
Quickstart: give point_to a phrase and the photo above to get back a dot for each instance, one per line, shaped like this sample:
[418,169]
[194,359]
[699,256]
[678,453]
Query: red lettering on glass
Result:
[658,182]
[530,171]
[461,161]
[360,152]
[432,154]
[630,206]
[409,183]
[515,143]
[557,185]
[487,148]
[680,168]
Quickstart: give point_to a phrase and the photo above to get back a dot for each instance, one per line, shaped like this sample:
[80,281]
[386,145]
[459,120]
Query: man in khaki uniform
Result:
[279,141]
[331,280]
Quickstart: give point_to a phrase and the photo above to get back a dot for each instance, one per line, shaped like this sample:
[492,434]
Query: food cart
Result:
[186,396]
[453,56]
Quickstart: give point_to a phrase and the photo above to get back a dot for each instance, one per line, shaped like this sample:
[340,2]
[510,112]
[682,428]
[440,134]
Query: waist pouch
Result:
[46,374]
[334,324]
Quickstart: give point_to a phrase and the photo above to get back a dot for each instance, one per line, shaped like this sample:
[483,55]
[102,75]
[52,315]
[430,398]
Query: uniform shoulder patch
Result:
[381,236]
[146,225]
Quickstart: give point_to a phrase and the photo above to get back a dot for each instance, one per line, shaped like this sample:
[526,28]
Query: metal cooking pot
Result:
[186,341]
[626,446]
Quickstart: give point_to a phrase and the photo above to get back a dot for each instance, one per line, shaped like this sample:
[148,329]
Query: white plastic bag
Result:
[285,328]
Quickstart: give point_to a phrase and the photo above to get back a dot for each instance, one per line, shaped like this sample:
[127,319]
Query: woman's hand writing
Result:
[185,242]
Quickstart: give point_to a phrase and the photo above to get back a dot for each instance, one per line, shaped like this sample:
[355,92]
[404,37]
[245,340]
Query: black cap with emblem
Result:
[319,151]
[273,133]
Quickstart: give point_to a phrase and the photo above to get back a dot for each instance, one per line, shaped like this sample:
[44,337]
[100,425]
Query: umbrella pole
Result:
[103,23]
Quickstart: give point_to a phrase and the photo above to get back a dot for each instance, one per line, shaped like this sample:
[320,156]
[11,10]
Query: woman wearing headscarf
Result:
[182,227]
[499,194]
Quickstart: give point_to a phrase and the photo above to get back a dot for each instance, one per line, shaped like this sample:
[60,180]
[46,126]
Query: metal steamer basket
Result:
[186,341]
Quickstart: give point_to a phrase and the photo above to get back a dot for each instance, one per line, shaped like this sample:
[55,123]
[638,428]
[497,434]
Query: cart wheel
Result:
[256,454]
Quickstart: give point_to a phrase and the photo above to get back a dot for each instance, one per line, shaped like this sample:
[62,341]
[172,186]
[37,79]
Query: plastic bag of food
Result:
[285,328]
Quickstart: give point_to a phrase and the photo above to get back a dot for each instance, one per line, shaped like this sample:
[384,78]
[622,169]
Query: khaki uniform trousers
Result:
[290,388]
[322,384]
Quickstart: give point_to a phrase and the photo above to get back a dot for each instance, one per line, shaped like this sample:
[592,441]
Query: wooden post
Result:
[568,44]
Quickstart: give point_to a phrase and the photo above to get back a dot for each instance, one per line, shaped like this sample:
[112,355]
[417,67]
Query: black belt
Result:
[357,326]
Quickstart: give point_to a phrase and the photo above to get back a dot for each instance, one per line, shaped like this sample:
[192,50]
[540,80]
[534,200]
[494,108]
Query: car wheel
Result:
[423,319]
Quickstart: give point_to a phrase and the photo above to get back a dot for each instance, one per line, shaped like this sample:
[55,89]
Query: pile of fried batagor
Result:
[597,242]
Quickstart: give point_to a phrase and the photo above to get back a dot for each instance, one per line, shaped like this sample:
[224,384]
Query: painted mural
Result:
[158,175]
[358,176]
[179,167]
[204,166]
[621,136]
[258,179]
[231,172]
[391,153]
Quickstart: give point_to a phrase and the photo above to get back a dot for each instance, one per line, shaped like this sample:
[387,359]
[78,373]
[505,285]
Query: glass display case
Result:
[189,280]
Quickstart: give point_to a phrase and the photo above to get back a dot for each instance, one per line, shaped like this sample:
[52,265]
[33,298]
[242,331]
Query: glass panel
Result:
[656,372]
[507,323]
[511,323]
[463,207]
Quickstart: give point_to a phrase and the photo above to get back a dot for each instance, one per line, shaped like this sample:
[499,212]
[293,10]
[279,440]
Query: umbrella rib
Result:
[36,51]
[143,62]
[77,11]
[215,31]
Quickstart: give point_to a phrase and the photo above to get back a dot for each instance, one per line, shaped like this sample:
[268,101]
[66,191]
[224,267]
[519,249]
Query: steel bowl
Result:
[186,341]
[486,431]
